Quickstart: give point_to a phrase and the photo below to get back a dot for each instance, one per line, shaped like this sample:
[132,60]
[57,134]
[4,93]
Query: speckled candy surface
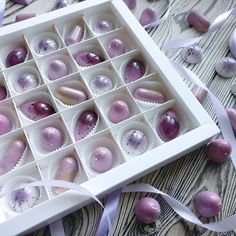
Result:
[192,54]
[134,69]
[134,142]
[51,139]
[36,110]
[5,124]
[12,156]
[87,58]
[147,210]
[168,126]
[101,159]
[85,123]
[118,111]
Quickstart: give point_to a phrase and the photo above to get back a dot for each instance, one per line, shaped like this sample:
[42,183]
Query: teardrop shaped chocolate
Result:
[168,126]
[147,17]
[75,35]
[87,58]
[118,111]
[134,70]
[17,56]
[71,96]
[36,110]
[131,4]
[116,47]
[85,123]
[57,69]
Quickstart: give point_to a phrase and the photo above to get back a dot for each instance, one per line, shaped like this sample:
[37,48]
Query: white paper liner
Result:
[68,28]
[54,165]
[136,125]
[12,78]
[37,129]
[124,62]
[4,146]
[72,84]
[13,183]
[100,142]
[7,49]
[75,118]
[36,40]
[40,96]
[104,16]
[92,49]
[45,63]
[106,103]
[11,115]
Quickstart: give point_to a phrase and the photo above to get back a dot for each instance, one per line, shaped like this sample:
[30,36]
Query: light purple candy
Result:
[148,16]
[101,84]
[87,58]
[3,93]
[25,82]
[149,95]
[147,210]
[11,156]
[51,139]
[207,204]
[103,26]
[232,117]
[101,159]
[75,35]
[131,4]
[5,124]
[85,124]
[118,111]
[46,46]
[134,70]
[21,17]
[116,47]
[36,110]
[168,125]
[57,69]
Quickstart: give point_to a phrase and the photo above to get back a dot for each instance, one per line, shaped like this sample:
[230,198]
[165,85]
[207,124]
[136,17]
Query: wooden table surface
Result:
[190,174]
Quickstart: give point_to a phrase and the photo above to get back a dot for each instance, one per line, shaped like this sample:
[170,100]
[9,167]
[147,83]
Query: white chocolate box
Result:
[196,126]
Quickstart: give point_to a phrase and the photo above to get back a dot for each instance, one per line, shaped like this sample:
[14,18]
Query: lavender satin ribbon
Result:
[215,26]
[2,9]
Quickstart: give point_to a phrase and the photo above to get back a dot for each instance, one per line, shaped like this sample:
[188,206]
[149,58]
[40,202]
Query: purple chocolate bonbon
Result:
[75,35]
[101,84]
[17,56]
[134,70]
[3,93]
[116,47]
[5,124]
[131,4]
[25,82]
[57,69]
[87,58]
[148,16]
[46,46]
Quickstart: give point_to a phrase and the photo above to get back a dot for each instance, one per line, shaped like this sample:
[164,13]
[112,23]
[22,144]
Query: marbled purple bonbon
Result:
[207,204]
[51,139]
[101,84]
[57,69]
[134,142]
[148,16]
[134,70]
[102,26]
[75,35]
[17,56]
[219,150]
[131,4]
[3,93]
[168,126]
[85,124]
[23,199]
[149,95]
[87,58]
[46,46]
[116,47]
[147,210]
[12,156]
[25,82]
[101,159]
[5,124]
[36,110]
[118,111]
[67,170]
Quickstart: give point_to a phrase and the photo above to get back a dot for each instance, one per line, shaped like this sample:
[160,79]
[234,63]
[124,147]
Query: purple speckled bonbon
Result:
[36,110]
[85,123]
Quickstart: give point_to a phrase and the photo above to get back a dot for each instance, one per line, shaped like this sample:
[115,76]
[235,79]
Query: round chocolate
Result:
[101,159]
[17,56]
[134,142]
[25,82]
[101,84]
[102,26]
[46,46]
[118,111]
[57,69]
[116,47]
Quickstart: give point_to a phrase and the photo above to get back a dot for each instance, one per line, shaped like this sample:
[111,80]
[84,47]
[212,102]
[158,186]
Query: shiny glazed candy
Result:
[87,58]
[134,69]
[17,56]
[168,126]
[85,124]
